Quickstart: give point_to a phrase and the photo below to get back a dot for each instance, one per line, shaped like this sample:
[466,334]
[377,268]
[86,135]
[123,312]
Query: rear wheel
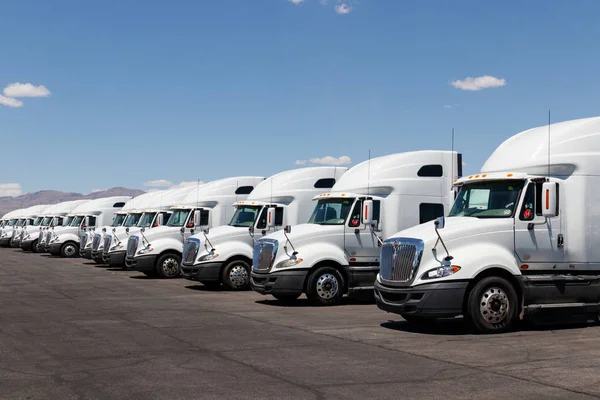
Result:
[492,305]
[167,265]
[69,250]
[236,275]
[325,287]
[34,246]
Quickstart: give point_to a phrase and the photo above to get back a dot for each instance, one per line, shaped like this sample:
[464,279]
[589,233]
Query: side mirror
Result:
[549,199]
[27,223]
[126,230]
[197,218]
[143,230]
[160,219]
[87,221]
[440,222]
[288,229]
[206,231]
[271,217]
[114,230]
[251,230]
[104,230]
[367,212]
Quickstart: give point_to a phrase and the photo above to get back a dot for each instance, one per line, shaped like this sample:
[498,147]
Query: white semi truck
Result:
[91,243]
[337,251]
[520,239]
[31,232]
[224,255]
[9,229]
[158,253]
[65,242]
[156,211]
[60,217]
[33,218]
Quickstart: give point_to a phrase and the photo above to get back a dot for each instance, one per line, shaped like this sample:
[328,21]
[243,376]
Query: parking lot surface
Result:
[72,329]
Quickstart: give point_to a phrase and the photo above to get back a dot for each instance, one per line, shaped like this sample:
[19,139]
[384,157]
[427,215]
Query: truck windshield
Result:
[21,222]
[12,222]
[77,220]
[178,218]
[493,199]
[132,220]
[118,221]
[146,220]
[331,211]
[244,216]
[37,221]
[68,221]
[47,221]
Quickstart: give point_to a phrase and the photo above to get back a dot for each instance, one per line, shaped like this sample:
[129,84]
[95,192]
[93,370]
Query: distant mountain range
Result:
[8,203]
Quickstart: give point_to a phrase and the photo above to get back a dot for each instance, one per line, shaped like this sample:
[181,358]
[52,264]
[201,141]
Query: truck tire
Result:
[286,298]
[69,250]
[34,246]
[325,287]
[236,275]
[167,265]
[492,306]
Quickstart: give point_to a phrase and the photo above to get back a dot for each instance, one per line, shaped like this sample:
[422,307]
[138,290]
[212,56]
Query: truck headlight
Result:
[441,272]
[288,263]
[116,247]
[208,257]
[146,250]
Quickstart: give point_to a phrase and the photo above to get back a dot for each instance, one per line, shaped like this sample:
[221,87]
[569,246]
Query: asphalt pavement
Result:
[72,329]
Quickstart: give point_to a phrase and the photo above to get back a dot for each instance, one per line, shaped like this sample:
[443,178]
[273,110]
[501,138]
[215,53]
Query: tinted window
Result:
[204,217]
[527,210]
[325,183]
[431,170]
[430,211]
[278,216]
[244,190]
[118,205]
[92,221]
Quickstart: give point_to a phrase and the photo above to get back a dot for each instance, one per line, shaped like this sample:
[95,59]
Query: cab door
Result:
[362,247]
[538,243]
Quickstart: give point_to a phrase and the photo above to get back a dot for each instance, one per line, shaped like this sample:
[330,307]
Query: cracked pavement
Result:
[71,329]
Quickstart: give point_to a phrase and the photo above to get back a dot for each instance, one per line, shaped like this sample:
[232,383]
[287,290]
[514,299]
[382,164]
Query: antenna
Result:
[548,143]
[369,175]
[197,193]
[237,186]
[452,156]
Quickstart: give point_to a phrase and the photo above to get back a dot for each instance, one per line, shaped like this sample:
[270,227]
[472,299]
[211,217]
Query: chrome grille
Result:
[40,236]
[264,253]
[96,241]
[83,241]
[48,237]
[190,250]
[107,240]
[132,245]
[400,258]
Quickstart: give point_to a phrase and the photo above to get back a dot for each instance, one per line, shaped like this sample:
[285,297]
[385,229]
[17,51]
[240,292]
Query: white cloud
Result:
[10,189]
[296,1]
[10,102]
[343,8]
[447,106]
[26,90]
[481,82]
[327,160]
[159,183]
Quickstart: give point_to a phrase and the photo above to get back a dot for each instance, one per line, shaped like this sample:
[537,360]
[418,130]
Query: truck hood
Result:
[154,233]
[455,228]
[306,232]
[225,233]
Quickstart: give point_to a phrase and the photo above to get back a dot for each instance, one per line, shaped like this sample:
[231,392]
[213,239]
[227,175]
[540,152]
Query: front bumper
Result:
[97,254]
[205,272]
[16,243]
[54,248]
[5,242]
[280,282]
[41,247]
[443,299]
[27,245]
[86,253]
[114,258]
[142,264]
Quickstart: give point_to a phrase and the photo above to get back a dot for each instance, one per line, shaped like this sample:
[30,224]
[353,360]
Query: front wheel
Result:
[34,246]
[69,250]
[236,275]
[167,265]
[325,287]
[492,305]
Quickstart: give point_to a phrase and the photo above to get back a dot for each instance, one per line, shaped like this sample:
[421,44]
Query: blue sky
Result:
[186,90]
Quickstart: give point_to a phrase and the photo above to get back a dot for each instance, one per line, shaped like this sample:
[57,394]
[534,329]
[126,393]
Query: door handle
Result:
[560,240]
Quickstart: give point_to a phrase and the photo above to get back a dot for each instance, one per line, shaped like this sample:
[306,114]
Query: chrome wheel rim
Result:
[494,305]
[238,276]
[70,250]
[327,286]
[170,267]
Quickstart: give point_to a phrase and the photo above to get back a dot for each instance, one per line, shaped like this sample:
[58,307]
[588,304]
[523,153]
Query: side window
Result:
[430,211]
[166,217]
[377,213]
[244,190]
[527,209]
[278,216]
[92,221]
[118,205]
[325,183]
[354,221]
[204,217]
[434,170]
[262,220]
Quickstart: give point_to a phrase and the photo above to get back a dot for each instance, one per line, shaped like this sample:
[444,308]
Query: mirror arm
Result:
[289,241]
[440,240]
[208,241]
[531,225]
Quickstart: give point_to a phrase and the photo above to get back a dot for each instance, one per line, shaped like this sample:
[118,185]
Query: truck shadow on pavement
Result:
[303,302]
[459,326]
